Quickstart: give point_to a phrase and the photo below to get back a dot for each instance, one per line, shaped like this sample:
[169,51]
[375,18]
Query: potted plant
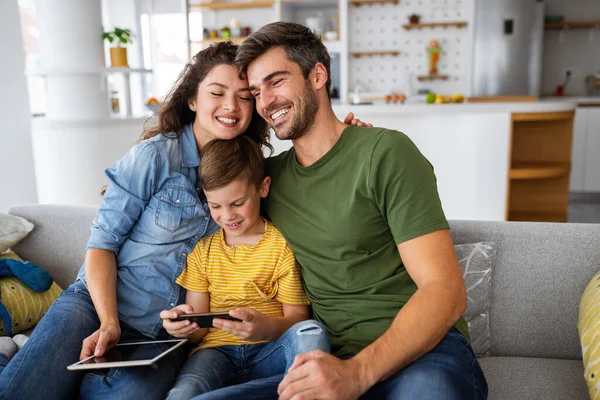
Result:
[118,54]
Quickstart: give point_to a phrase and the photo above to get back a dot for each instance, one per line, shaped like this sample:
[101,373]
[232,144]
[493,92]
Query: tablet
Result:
[204,320]
[134,354]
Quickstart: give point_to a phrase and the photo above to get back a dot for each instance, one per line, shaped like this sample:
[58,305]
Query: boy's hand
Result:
[254,326]
[179,329]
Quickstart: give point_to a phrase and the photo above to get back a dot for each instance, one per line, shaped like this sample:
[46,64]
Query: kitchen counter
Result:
[380,108]
[582,101]
[493,161]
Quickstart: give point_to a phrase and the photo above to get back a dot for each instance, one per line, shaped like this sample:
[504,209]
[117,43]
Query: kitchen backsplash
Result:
[379,28]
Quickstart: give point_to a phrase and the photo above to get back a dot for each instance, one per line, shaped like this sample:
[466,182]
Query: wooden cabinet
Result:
[585,172]
[540,166]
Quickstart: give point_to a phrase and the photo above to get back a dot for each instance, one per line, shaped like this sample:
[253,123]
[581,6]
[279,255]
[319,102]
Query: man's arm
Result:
[422,323]
[418,327]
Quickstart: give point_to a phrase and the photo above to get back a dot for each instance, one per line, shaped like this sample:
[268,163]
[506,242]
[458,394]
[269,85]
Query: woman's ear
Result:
[192,106]
[265,186]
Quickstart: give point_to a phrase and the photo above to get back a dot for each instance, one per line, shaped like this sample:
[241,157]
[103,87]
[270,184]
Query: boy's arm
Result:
[195,302]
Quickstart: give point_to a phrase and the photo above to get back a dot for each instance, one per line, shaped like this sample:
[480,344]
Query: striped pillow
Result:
[25,306]
[589,334]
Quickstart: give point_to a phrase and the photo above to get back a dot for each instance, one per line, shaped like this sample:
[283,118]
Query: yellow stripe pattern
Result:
[589,334]
[25,306]
[263,276]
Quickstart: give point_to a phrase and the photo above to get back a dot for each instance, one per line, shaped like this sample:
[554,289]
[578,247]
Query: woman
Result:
[152,215]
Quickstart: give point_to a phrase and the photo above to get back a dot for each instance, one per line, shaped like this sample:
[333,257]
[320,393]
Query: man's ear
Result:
[265,186]
[320,76]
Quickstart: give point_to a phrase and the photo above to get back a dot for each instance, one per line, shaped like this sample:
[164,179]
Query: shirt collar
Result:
[189,149]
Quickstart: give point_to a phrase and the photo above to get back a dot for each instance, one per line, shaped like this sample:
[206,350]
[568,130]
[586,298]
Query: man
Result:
[360,209]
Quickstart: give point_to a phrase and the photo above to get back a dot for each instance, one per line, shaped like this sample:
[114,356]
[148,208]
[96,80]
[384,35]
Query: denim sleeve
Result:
[132,182]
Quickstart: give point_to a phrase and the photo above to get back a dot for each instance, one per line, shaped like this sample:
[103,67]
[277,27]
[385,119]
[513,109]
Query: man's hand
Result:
[179,329]
[254,326]
[319,375]
[100,341]
[350,120]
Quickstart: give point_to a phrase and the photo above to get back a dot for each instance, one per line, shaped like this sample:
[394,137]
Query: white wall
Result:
[577,49]
[16,158]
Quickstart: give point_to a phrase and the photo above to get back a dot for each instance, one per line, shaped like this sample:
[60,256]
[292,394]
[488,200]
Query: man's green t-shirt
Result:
[344,216]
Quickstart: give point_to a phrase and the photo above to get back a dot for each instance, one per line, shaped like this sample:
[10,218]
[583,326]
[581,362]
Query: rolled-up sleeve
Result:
[132,182]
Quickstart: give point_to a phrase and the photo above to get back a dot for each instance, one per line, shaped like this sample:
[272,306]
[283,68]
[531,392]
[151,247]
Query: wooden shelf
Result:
[222,5]
[534,216]
[539,170]
[458,24]
[359,54]
[572,25]
[236,40]
[359,3]
[433,77]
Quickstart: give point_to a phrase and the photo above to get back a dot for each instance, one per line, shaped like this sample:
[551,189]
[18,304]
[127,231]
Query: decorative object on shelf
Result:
[234,28]
[359,54]
[458,24]
[317,24]
[358,3]
[414,19]
[153,104]
[118,54]
[225,32]
[245,31]
[433,77]
[114,102]
[433,50]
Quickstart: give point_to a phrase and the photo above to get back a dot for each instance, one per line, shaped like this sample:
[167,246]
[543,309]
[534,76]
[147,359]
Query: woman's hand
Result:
[179,329]
[350,120]
[254,326]
[100,341]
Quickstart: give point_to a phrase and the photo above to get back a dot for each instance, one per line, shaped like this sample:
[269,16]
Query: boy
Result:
[247,269]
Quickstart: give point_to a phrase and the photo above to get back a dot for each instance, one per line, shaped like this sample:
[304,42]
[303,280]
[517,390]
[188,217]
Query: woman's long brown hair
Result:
[175,113]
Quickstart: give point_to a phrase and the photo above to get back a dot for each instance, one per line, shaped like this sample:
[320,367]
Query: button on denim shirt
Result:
[152,215]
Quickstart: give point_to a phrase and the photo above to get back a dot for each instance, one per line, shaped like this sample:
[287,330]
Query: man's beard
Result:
[304,117]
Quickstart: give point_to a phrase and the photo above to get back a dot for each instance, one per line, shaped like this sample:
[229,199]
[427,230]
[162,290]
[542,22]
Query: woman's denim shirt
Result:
[152,215]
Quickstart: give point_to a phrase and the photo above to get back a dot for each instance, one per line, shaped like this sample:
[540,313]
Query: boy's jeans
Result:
[214,368]
[39,369]
[448,372]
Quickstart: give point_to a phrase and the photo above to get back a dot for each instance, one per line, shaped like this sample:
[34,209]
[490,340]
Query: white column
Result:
[17,182]
[71,50]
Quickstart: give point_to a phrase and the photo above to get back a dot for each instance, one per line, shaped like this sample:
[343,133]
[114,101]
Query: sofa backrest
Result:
[58,240]
[539,275]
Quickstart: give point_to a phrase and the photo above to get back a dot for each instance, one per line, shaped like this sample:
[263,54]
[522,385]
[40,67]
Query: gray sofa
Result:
[538,277]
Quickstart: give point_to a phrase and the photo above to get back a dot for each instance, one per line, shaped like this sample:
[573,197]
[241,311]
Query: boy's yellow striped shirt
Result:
[263,277]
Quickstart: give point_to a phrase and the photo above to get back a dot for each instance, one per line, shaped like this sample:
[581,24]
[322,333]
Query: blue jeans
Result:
[215,368]
[448,372]
[39,369]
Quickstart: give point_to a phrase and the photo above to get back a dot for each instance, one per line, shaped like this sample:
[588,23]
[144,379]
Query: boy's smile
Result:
[236,208]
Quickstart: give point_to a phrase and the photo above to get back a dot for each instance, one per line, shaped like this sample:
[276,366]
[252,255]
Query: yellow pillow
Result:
[589,334]
[25,306]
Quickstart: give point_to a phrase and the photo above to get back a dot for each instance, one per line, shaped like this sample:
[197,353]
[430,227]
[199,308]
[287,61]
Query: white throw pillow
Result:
[12,230]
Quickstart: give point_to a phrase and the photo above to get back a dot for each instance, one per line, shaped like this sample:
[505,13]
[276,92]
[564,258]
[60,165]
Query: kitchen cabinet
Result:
[585,172]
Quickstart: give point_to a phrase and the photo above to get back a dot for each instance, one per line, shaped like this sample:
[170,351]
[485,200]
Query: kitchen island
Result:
[493,161]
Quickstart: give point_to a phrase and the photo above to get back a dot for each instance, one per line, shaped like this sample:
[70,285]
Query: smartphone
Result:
[204,320]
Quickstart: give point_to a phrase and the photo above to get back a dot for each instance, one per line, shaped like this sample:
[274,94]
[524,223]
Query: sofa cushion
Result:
[12,229]
[523,378]
[589,333]
[476,260]
[24,305]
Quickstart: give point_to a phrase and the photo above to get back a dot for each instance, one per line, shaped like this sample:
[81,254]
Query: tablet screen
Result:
[130,354]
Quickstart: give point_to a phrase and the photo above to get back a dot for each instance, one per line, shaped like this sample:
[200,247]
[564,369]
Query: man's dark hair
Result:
[301,46]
